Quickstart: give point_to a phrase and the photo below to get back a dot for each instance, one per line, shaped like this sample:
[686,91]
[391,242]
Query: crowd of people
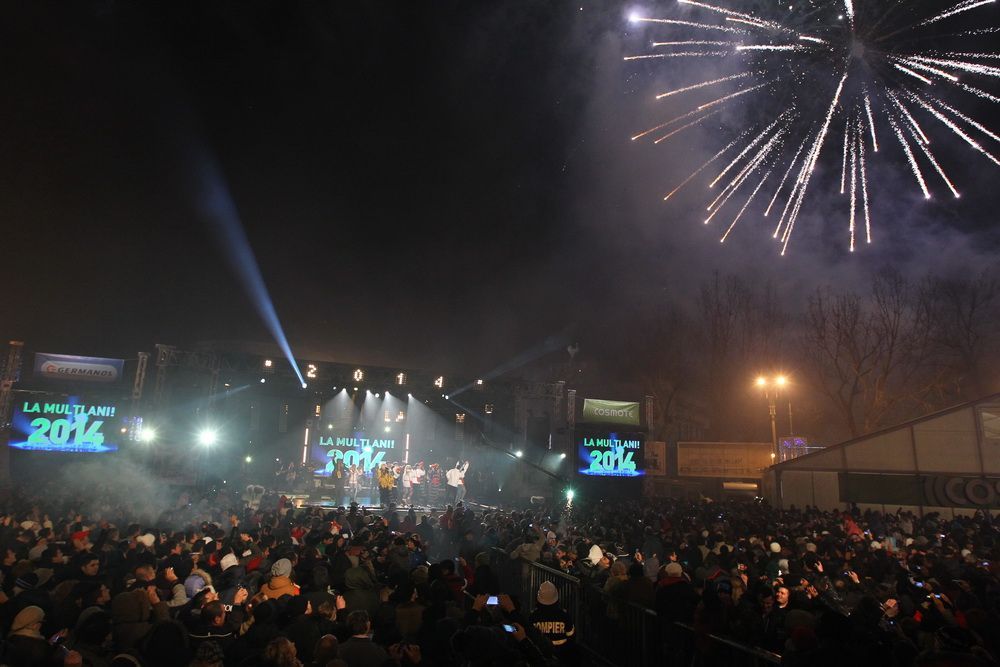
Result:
[217,581]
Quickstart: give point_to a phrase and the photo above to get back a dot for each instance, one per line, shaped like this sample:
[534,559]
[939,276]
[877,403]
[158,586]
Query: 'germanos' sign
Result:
[597,411]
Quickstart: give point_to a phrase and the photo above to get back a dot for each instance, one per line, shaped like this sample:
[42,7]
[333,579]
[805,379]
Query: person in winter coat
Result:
[362,590]
[133,614]
[26,646]
[281,582]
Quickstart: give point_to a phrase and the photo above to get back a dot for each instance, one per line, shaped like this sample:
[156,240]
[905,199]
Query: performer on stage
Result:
[339,476]
[435,486]
[456,483]
[419,485]
[354,481]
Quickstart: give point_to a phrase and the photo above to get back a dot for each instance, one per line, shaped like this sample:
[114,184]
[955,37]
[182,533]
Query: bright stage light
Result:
[123,429]
[762,381]
[305,386]
[479,383]
[268,363]
[263,380]
[401,379]
[388,428]
[207,437]
[378,395]
[781,380]
[439,381]
[359,375]
[562,455]
[311,371]
[249,459]
[519,453]
[147,435]
[570,495]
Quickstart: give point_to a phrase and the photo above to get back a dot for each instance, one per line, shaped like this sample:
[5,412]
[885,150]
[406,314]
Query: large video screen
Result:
[359,449]
[610,454]
[66,424]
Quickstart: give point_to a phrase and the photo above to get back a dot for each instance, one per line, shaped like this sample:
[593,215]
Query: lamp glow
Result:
[207,437]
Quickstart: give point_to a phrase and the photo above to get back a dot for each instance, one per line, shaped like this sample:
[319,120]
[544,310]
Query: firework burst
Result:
[827,80]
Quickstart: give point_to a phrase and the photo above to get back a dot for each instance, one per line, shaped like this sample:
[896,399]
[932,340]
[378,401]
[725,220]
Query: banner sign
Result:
[611,454]
[69,426]
[723,459]
[78,369]
[598,411]
[369,453]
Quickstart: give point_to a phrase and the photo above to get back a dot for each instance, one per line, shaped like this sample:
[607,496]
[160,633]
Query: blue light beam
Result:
[216,205]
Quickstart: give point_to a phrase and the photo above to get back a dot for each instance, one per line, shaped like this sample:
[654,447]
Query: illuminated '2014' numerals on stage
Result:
[612,460]
[63,431]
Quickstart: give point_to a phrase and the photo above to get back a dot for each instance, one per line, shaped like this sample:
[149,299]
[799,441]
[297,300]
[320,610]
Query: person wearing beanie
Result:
[25,643]
[552,621]
[280,582]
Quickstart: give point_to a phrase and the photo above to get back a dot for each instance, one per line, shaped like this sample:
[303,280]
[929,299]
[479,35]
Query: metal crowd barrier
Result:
[621,633]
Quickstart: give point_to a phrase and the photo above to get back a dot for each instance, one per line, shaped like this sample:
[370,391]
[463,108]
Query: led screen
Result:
[65,425]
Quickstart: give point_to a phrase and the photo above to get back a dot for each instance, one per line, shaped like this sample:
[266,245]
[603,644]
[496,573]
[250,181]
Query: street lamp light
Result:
[771,389]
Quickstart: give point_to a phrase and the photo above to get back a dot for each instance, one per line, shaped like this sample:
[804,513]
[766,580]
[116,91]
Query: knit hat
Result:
[547,593]
[146,540]
[27,581]
[26,617]
[674,569]
[193,584]
[282,568]
[209,653]
[775,548]
[228,561]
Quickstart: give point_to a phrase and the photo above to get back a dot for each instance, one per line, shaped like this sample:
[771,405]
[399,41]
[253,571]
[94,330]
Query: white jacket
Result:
[456,474]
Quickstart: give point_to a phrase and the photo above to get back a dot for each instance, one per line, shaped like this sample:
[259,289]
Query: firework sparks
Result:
[825,80]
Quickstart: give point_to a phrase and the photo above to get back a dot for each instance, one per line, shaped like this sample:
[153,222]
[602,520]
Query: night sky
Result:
[424,184]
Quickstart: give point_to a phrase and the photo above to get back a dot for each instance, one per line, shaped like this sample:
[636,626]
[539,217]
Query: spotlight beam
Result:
[216,206]
[552,343]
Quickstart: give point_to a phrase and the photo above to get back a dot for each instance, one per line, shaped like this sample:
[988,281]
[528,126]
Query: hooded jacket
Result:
[278,586]
[133,616]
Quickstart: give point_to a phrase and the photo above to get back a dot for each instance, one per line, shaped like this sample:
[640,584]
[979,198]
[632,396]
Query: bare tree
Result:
[874,357]
[963,314]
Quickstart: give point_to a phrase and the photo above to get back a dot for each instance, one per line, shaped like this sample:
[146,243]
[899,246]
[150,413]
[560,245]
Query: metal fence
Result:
[621,633]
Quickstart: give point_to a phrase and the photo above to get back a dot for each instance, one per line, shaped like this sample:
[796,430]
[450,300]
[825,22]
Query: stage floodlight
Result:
[147,434]
[268,363]
[519,453]
[263,380]
[249,459]
[388,428]
[378,395]
[207,437]
[569,495]
[562,455]
[305,385]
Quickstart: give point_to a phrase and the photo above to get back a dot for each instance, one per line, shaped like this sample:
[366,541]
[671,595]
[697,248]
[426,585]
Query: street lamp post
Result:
[771,389]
